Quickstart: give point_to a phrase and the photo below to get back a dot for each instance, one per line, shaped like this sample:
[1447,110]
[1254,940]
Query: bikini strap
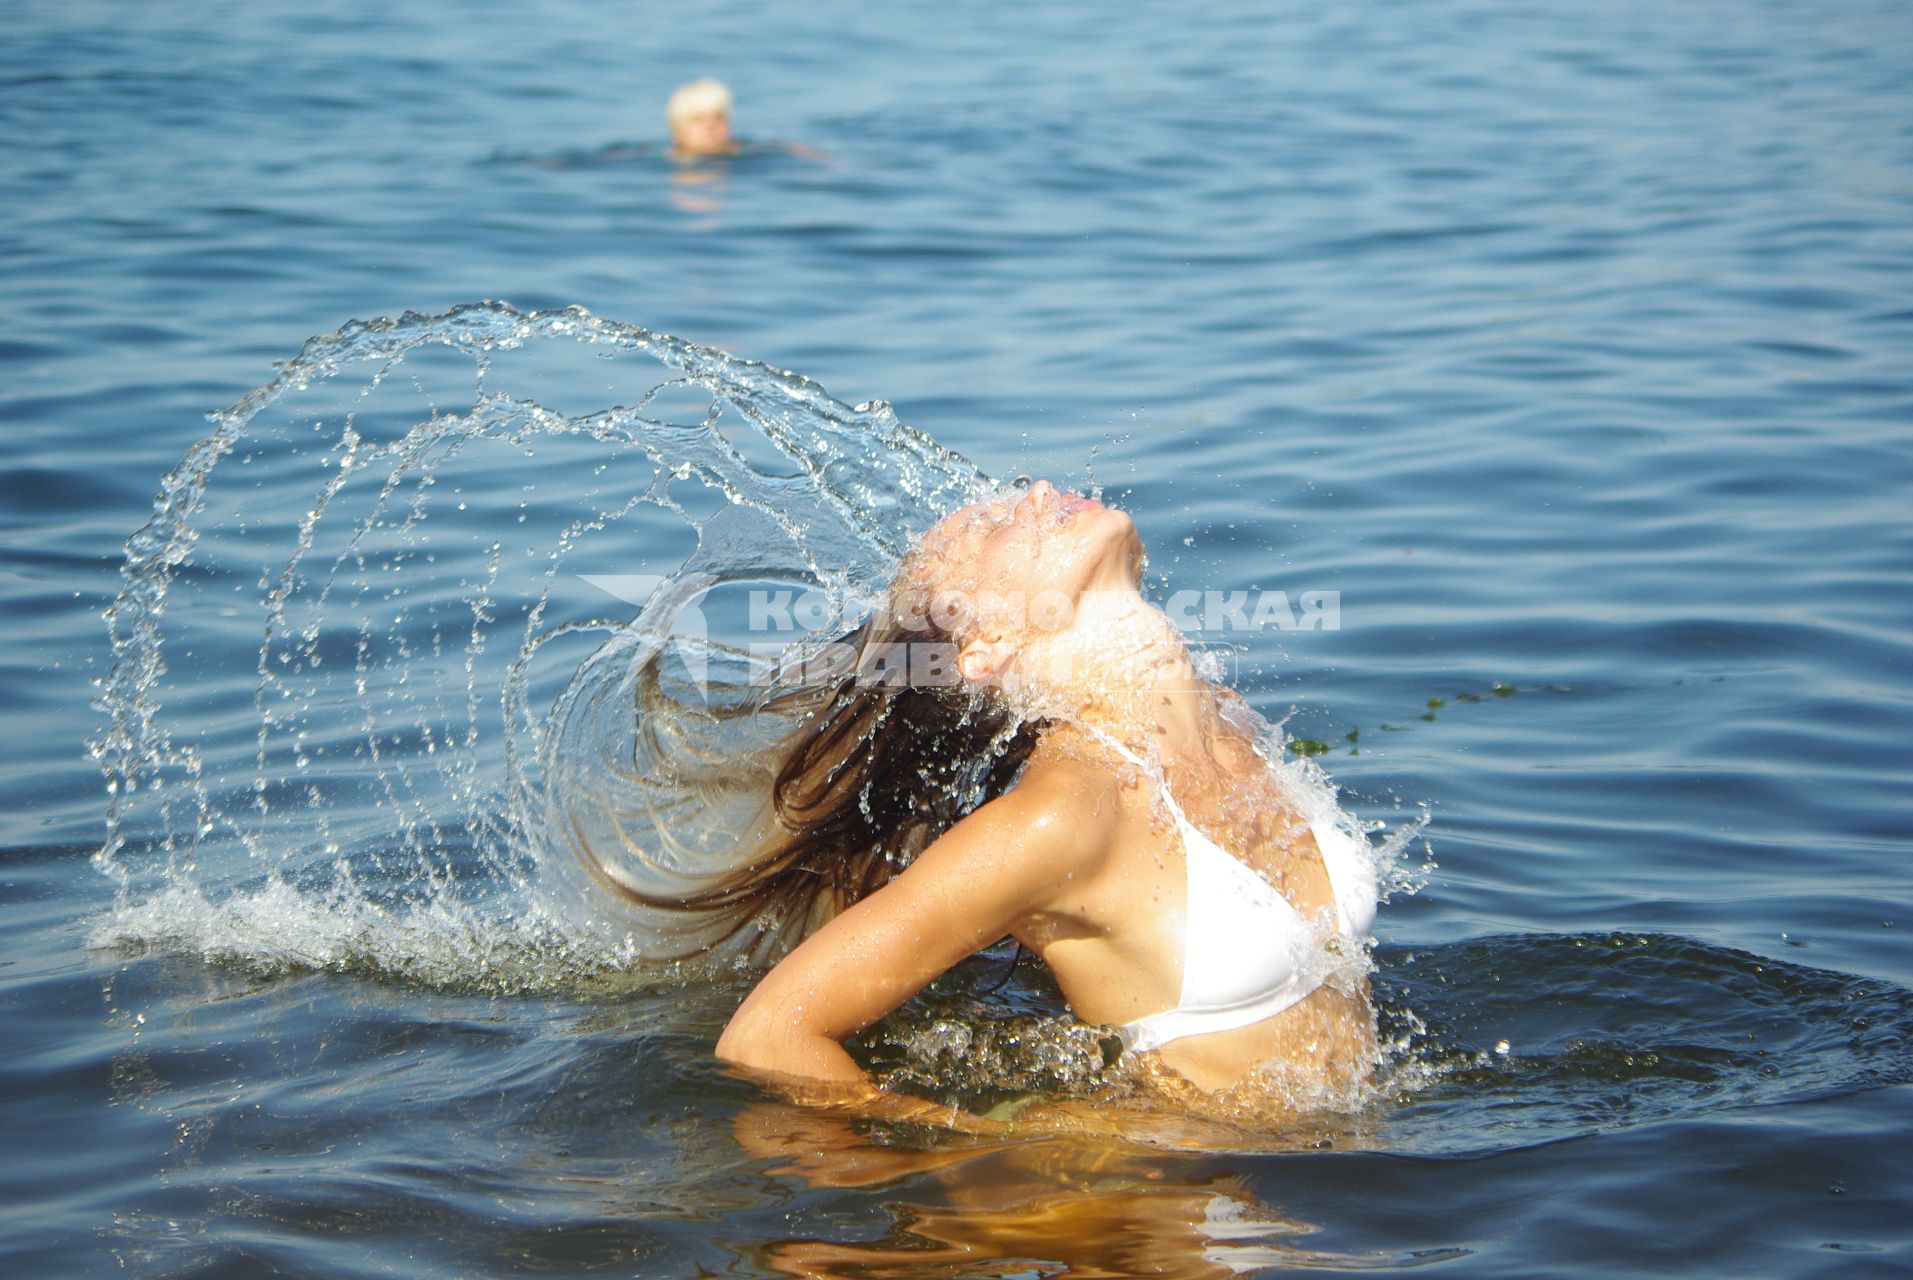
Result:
[1162,787]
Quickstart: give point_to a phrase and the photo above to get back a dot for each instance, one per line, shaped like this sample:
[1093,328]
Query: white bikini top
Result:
[1247,953]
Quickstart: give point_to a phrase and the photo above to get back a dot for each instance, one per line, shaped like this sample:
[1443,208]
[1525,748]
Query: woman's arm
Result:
[966,891]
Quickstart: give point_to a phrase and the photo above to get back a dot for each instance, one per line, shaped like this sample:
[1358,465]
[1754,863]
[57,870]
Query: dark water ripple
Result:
[1565,1033]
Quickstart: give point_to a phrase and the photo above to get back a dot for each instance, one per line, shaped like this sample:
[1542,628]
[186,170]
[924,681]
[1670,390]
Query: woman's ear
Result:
[982,659]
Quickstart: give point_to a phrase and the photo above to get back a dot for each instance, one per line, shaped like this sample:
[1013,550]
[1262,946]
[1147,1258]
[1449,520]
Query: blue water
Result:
[1567,343]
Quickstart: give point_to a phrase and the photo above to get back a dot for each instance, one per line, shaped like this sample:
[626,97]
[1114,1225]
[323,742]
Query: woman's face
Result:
[1027,562]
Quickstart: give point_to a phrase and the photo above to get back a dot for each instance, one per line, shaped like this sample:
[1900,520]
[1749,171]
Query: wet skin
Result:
[1078,860]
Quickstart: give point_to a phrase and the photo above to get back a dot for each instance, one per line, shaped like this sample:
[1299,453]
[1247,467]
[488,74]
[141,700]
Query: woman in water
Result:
[1025,750]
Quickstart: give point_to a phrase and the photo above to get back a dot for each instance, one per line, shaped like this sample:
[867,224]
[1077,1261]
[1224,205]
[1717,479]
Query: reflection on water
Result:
[699,188]
[694,184]
[1054,1205]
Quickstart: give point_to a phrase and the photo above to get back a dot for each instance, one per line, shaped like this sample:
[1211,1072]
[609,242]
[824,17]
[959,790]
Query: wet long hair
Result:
[888,754]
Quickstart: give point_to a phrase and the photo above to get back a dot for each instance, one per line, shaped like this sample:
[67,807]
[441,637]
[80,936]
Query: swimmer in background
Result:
[699,115]
[1040,760]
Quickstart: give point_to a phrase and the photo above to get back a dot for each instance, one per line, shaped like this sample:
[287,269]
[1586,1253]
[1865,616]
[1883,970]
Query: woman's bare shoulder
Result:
[1060,821]
[1067,797]
[1072,761]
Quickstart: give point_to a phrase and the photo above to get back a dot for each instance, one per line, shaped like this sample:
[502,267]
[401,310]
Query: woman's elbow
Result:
[745,1042]
[761,1037]
[764,1043]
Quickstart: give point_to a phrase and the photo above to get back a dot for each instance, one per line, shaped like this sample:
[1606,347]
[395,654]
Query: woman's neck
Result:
[1123,671]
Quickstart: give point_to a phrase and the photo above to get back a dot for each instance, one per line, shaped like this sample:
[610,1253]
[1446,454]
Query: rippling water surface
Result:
[1566,343]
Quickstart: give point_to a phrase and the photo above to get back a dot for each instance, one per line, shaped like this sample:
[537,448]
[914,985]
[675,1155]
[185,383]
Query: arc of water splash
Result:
[850,466]
[793,413]
[475,328]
